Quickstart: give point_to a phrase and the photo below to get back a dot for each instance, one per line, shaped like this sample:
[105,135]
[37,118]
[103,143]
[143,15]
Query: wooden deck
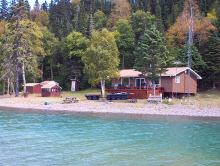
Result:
[138,92]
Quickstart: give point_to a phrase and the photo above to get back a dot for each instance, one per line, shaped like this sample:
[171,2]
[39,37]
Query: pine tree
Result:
[212,58]
[159,23]
[4,9]
[218,15]
[21,43]
[164,14]
[151,55]
[197,63]
[82,20]
[44,6]
[90,26]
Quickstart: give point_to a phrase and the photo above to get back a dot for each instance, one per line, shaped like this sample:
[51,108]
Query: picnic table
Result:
[155,98]
[70,100]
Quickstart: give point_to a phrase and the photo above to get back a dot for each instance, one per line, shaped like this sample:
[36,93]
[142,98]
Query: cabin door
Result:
[138,82]
[73,86]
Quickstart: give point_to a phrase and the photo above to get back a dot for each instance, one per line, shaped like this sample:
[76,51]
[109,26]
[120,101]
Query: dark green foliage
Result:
[60,18]
[125,42]
[212,57]
[163,14]
[158,22]
[82,20]
[73,48]
[197,63]
[151,55]
[44,6]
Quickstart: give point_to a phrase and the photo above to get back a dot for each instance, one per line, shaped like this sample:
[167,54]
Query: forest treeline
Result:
[49,41]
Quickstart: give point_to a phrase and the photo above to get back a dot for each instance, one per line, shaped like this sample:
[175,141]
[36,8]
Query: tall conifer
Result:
[151,55]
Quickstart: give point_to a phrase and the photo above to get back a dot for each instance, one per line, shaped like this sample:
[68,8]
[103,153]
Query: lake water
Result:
[45,138]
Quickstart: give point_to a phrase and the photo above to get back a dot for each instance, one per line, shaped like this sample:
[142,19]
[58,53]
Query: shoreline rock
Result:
[86,106]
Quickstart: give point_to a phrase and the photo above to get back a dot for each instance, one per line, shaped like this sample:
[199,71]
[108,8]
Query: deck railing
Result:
[136,87]
[139,92]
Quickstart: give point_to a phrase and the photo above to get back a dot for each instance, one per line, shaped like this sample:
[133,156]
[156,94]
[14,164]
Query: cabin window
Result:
[139,81]
[157,82]
[177,79]
[125,81]
[58,89]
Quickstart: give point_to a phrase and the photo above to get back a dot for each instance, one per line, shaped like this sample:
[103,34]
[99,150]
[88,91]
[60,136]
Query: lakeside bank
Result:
[87,106]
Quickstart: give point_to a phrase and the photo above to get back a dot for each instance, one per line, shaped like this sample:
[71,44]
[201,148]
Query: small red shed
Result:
[33,88]
[74,84]
[51,90]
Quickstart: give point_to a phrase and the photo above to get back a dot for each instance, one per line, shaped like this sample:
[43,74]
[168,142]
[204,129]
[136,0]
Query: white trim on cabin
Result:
[140,81]
[197,76]
[128,80]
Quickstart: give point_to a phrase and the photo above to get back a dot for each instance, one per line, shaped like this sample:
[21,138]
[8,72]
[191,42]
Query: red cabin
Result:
[51,90]
[33,88]
[174,82]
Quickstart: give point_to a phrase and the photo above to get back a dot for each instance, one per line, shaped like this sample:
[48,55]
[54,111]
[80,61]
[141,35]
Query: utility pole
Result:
[189,60]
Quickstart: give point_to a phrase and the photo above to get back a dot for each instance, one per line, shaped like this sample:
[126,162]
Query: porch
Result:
[139,92]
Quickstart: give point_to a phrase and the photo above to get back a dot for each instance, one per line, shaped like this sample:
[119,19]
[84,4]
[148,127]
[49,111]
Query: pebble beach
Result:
[90,106]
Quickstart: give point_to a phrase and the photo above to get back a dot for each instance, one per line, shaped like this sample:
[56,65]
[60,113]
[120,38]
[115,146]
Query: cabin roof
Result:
[172,71]
[129,73]
[32,84]
[50,86]
[49,82]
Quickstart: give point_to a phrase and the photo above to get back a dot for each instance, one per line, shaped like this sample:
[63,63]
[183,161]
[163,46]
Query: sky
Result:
[32,2]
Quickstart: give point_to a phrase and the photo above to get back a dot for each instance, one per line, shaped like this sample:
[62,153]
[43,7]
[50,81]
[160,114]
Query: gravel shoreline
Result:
[110,108]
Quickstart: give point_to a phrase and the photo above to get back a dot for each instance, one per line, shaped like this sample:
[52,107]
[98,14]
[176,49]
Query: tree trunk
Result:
[123,62]
[153,87]
[17,80]
[42,68]
[213,83]
[8,87]
[3,88]
[23,75]
[12,87]
[51,71]
[103,87]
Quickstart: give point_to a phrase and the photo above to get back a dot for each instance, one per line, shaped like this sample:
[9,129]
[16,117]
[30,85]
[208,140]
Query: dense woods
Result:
[92,39]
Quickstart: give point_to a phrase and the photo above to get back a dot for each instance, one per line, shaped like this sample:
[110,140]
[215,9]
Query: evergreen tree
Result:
[140,22]
[197,63]
[44,6]
[27,5]
[74,47]
[90,26]
[4,9]
[164,14]
[212,58]
[125,42]
[158,21]
[21,43]
[82,20]
[151,55]
[218,15]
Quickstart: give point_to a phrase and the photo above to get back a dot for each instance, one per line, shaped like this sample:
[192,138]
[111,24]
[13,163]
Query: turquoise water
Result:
[45,138]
